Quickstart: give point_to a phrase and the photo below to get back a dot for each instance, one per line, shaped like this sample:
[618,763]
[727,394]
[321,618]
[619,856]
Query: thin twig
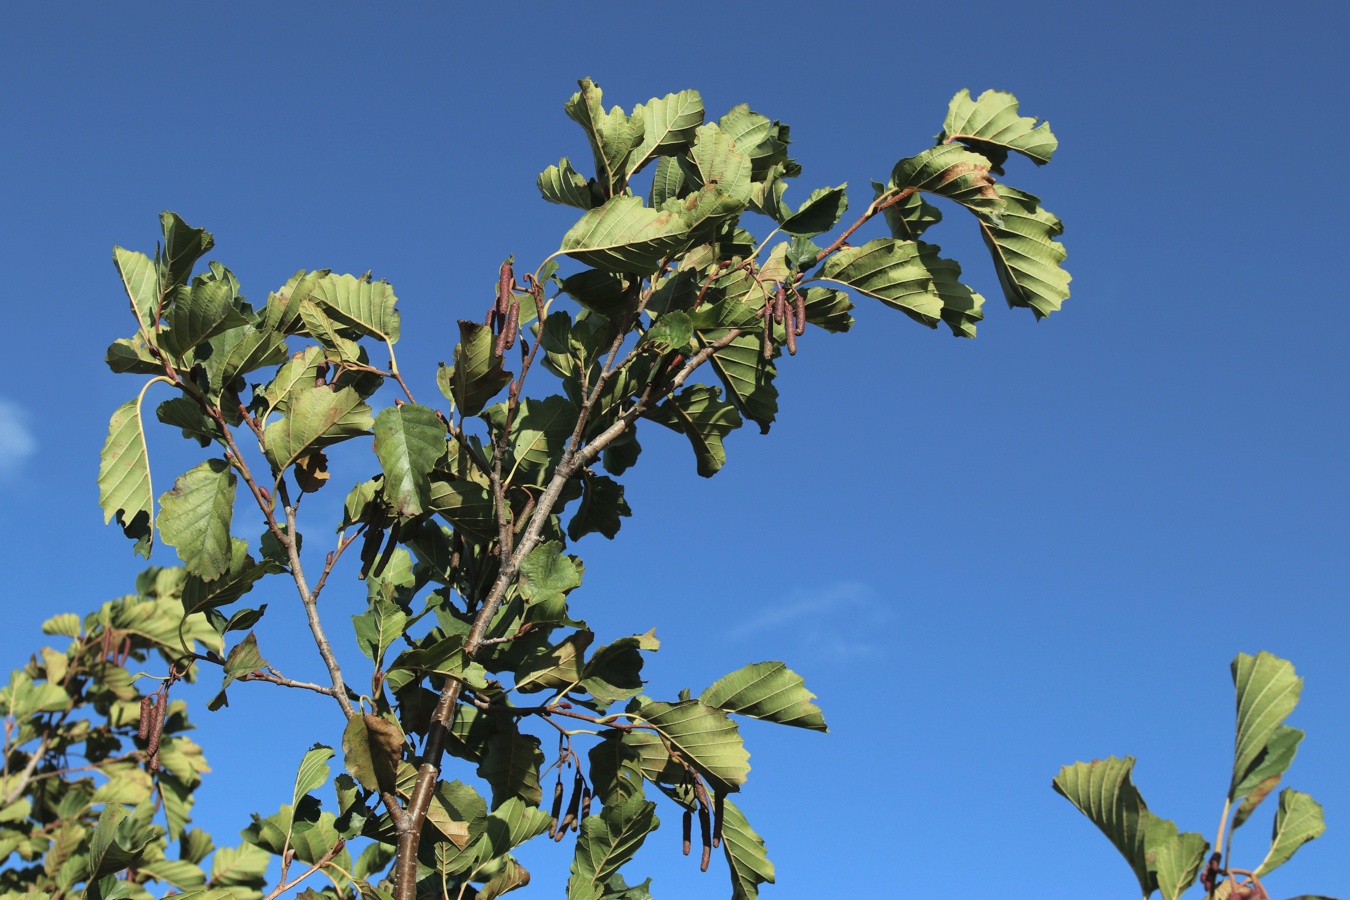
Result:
[272,676]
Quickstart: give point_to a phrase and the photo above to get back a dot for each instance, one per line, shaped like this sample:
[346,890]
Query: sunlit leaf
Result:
[1267,691]
[195,518]
[409,439]
[769,691]
[124,476]
[1298,820]
[991,126]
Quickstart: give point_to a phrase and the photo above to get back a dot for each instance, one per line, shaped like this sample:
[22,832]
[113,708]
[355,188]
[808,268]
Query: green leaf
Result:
[614,672]
[513,823]
[1266,771]
[538,435]
[510,764]
[313,772]
[951,171]
[909,218]
[718,162]
[316,417]
[961,307]
[746,374]
[444,657]
[1297,821]
[818,213]
[1102,791]
[746,858]
[195,518]
[602,506]
[244,658]
[991,127]
[244,571]
[239,351]
[365,306]
[769,691]
[565,185]
[409,439]
[667,182]
[283,306]
[671,332]
[132,355]
[340,342]
[243,866]
[140,279]
[700,413]
[763,141]
[892,272]
[1026,255]
[622,235]
[22,698]
[547,572]
[668,127]
[185,413]
[555,668]
[197,314]
[183,246]
[1174,859]
[1267,691]
[606,842]
[178,873]
[477,375]
[118,841]
[828,309]
[613,135]
[706,738]
[124,488]
[66,625]
[378,628]
[466,505]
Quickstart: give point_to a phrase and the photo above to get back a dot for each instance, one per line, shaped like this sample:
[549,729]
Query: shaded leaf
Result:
[606,842]
[244,658]
[602,506]
[700,413]
[818,213]
[378,628]
[477,375]
[198,313]
[1266,771]
[510,764]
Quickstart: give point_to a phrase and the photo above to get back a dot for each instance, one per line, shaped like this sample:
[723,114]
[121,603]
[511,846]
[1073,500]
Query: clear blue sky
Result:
[996,557]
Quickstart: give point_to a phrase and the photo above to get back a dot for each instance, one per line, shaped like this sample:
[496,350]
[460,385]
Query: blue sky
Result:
[989,558]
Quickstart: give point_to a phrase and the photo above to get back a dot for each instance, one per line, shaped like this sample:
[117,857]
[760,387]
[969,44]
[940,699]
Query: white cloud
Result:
[847,601]
[16,440]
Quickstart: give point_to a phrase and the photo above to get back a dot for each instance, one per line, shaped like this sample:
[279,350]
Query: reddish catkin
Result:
[687,829]
[507,338]
[156,728]
[505,278]
[586,801]
[767,342]
[779,303]
[791,333]
[800,312]
[147,707]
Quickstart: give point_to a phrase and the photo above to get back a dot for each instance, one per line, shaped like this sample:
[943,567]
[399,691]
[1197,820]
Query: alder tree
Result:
[484,714]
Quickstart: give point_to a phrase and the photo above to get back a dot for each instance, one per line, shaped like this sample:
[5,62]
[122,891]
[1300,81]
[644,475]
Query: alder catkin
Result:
[800,311]
[719,807]
[556,810]
[705,832]
[156,727]
[586,801]
[687,829]
[147,705]
[512,325]
[505,278]
[779,304]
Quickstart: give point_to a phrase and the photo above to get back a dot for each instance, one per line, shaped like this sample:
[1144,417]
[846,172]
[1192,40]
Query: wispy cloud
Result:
[853,606]
[16,439]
